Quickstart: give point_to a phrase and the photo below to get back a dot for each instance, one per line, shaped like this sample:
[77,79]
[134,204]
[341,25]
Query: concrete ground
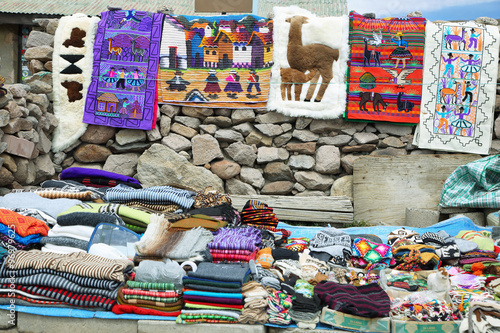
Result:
[29,323]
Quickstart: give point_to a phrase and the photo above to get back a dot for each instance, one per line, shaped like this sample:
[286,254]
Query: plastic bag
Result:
[167,271]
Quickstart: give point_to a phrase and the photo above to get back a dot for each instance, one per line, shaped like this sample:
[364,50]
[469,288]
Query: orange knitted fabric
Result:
[23,225]
[477,268]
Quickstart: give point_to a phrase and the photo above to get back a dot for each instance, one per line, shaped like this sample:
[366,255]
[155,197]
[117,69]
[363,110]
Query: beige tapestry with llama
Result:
[310,63]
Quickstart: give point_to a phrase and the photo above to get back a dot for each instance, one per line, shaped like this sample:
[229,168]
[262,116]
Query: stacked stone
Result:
[27,116]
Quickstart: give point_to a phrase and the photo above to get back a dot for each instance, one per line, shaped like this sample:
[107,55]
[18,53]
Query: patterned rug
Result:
[458,98]
[216,61]
[303,66]
[385,73]
[71,73]
[126,55]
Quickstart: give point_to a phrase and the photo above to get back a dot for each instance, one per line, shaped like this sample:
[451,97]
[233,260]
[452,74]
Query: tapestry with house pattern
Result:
[216,61]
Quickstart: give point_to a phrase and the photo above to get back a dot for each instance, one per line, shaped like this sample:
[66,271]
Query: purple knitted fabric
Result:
[86,172]
[245,238]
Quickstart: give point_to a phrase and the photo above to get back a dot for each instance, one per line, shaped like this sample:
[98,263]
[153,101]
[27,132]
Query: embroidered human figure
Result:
[121,79]
[473,38]
[401,52]
[125,103]
[253,80]
[449,64]
[137,80]
[177,82]
[469,88]
[443,121]
[233,86]
[470,66]
[461,124]
[212,87]
[110,77]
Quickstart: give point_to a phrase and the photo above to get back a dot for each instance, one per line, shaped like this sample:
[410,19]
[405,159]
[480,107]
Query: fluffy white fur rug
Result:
[330,31]
[70,114]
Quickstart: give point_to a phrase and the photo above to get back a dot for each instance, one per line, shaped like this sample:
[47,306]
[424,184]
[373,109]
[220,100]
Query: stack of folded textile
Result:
[204,221]
[73,230]
[254,310]
[49,279]
[151,197]
[235,244]
[19,231]
[259,214]
[305,310]
[410,256]
[213,293]
[71,186]
[97,178]
[279,306]
[134,219]
[160,241]
[369,301]
[224,212]
[369,255]
[478,256]
[482,317]
[149,298]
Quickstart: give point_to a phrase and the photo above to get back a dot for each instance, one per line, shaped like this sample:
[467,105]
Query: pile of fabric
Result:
[78,279]
[482,317]
[279,304]
[213,293]
[97,178]
[235,244]
[254,310]
[259,214]
[19,232]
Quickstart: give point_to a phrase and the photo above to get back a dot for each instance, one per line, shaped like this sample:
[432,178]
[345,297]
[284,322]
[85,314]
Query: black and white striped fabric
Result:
[54,281]
[82,281]
[152,195]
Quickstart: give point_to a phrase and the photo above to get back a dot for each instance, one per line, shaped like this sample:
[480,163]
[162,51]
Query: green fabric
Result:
[475,185]
[481,238]
[151,286]
[152,298]
[468,267]
[135,228]
[129,215]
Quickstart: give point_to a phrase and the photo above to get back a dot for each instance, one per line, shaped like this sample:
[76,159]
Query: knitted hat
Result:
[449,251]
[265,258]
[370,237]
[332,241]
[403,233]
[432,239]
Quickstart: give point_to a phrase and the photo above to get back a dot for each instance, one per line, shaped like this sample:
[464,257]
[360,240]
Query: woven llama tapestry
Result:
[71,73]
[458,98]
[385,73]
[310,63]
[216,61]
[126,55]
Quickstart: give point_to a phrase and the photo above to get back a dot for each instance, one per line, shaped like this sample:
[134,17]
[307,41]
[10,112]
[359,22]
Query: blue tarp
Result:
[452,226]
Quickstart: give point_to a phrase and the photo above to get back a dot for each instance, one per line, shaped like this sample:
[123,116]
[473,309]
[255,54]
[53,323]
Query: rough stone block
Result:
[421,218]
[152,326]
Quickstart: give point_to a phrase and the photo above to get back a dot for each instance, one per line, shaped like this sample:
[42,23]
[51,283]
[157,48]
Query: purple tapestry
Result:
[126,55]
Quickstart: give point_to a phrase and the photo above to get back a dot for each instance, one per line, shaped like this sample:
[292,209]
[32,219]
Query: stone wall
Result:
[236,151]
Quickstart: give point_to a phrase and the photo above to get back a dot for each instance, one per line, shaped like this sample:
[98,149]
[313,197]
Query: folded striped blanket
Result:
[167,294]
[78,263]
[151,195]
[58,193]
[151,298]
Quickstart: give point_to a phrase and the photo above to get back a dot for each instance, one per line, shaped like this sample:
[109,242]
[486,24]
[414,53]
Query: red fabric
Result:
[122,308]
[23,225]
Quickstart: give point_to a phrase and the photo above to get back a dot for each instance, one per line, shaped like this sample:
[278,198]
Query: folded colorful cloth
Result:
[211,283]
[123,308]
[210,305]
[57,193]
[52,207]
[36,213]
[150,195]
[369,301]
[193,222]
[156,305]
[28,240]
[8,242]
[150,286]
[239,238]
[23,225]
[76,172]
[221,301]
[481,238]
[212,294]
[165,294]
[371,255]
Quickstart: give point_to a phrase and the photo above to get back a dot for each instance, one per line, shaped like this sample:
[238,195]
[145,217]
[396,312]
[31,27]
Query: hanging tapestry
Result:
[310,63]
[71,73]
[458,98]
[126,55]
[385,73]
[216,61]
